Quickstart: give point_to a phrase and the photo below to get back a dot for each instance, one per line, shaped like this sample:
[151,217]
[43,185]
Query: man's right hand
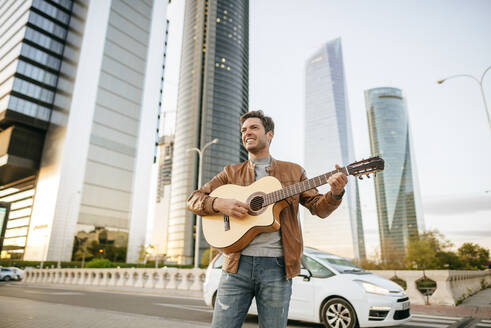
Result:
[231,207]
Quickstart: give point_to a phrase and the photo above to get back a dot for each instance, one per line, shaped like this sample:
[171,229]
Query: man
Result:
[264,269]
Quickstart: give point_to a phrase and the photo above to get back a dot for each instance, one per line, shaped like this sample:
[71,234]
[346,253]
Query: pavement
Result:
[16,312]
[475,306]
[23,313]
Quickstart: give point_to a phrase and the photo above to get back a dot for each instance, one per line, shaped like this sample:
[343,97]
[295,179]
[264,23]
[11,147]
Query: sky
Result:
[403,44]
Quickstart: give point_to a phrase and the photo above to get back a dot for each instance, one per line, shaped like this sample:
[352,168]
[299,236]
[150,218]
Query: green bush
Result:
[77,264]
[100,263]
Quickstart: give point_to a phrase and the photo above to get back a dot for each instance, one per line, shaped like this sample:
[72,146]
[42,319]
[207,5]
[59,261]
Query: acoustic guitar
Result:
[266,198]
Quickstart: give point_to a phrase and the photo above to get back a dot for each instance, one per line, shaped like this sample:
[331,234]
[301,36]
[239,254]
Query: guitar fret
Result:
[300,187]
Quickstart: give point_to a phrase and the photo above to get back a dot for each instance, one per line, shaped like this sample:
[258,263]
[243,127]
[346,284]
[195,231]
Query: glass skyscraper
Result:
[162,206]
[78,110]
[329,141]
[212,95]
[398,208]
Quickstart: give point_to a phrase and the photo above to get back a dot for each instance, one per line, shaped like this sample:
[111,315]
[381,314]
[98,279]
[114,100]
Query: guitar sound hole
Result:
[256,203]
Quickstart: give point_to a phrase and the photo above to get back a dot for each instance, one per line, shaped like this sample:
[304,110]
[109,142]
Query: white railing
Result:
[451,286]
[183,280]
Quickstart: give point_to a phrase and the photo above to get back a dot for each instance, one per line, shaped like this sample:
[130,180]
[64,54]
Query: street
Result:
[22,306]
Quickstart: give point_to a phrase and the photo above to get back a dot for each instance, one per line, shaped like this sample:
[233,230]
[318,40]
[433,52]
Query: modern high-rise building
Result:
[396,188]
[329,141]
[79,97]
[212,95]
[162,206]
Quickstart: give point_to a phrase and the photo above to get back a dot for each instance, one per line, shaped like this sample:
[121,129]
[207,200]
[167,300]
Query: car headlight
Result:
[374,289]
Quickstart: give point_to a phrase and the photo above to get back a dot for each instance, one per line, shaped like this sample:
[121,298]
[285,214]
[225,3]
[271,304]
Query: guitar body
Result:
[234,235]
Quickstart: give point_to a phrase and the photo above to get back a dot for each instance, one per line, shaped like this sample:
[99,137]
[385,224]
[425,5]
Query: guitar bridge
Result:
[226,221]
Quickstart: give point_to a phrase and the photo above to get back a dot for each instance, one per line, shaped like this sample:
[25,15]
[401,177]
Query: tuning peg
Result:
[368,176]
[361,178]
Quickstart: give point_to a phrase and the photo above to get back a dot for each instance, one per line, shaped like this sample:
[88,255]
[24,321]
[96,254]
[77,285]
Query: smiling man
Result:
[265,267]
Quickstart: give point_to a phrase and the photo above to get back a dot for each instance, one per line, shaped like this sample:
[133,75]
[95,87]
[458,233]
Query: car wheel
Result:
[6,278]
[338,313]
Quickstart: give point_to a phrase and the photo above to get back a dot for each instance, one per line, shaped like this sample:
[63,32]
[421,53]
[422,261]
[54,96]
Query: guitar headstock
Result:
[366,167]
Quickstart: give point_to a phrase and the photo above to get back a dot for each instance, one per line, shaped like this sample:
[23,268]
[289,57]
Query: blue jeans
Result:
[260,277]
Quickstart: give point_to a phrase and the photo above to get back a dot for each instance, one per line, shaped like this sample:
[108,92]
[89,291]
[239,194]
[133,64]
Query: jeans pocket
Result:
[280,261]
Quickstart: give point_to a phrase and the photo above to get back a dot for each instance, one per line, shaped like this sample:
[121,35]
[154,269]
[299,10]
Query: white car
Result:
[333,291]
[11,273]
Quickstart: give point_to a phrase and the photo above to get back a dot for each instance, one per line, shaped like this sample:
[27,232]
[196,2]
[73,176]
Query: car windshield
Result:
[341,265]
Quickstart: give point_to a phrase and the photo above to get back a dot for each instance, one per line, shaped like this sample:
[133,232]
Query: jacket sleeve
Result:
[320,205]
[199,202]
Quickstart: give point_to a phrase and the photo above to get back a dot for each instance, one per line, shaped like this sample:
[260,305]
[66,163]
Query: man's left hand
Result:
[337,182]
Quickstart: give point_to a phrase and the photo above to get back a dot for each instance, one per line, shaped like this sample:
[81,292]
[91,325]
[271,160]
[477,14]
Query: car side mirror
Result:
[306,274]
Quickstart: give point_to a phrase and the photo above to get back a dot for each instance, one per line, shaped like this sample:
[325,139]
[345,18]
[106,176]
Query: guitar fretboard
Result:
[300,187]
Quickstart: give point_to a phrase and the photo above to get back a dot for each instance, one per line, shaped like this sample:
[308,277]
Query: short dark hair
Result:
[266,120]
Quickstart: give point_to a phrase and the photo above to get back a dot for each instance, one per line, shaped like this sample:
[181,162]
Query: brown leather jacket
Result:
[243,174]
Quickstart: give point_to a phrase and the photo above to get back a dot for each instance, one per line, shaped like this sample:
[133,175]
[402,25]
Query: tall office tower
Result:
[396,188]
[78,109]
[329,141]
[213,94]
[162,207]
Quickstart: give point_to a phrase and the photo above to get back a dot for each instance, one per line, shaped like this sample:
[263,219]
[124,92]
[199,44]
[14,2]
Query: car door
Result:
[303,301]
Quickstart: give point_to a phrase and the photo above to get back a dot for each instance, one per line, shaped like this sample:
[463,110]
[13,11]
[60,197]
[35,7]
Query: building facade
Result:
[396,189]
[212,95]
[329,141]
[162,206]
[80,96]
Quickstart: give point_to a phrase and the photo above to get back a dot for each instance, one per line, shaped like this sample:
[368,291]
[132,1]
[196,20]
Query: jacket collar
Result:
[251,165]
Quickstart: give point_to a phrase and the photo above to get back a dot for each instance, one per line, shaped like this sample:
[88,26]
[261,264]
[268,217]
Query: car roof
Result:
[317,252]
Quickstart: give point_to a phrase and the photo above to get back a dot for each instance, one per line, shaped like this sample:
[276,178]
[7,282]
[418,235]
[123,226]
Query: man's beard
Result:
[260,146]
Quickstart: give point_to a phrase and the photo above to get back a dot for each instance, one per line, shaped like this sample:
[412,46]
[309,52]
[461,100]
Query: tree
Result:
[449,260]
[205,257]
[473,256]
[428,251]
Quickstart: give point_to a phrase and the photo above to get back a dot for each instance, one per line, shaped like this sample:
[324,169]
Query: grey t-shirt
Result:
[266,243]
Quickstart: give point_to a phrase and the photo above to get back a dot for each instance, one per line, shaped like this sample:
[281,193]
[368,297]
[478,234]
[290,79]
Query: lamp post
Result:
[480,86]
[198,218]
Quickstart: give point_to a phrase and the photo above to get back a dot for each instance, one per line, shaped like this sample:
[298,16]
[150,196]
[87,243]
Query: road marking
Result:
[435,317]
[112,291]
[52,293]
[487,321]
[426,325]
[187,307]
[483,325]
[432,320]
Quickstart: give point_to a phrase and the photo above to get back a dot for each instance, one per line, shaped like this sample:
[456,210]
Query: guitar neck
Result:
[300,187]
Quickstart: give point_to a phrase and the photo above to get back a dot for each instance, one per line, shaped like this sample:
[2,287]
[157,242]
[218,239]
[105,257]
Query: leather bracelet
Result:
[338,197]
[213,202]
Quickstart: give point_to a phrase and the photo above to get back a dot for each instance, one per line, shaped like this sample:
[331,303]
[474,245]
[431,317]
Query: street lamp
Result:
[198,218]
[480,86]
